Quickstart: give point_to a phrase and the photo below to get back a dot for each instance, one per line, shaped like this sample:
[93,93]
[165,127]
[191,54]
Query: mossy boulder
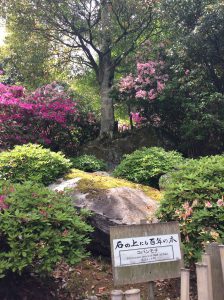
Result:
[112,201]
[90,182]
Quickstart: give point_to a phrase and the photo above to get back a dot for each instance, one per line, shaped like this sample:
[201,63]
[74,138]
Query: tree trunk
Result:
[106,73]
[107,108]
[130,116]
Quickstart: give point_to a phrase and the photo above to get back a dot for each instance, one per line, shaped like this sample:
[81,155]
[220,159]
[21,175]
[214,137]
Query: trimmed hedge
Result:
[88,163]
[38,229]
[147,165]
[32,162]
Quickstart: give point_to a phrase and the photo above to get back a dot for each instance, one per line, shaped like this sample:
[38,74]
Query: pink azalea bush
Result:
[142,89]
[149,82]
[47,116]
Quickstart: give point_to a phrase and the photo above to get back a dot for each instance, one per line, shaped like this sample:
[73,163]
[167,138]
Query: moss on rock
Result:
[90,182]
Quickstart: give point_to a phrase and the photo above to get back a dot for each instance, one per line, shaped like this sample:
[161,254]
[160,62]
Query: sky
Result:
[2,32]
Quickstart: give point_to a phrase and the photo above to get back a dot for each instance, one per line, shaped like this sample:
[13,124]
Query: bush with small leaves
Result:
[148,165]
[194,196]
[88,163]
[33,163]
[39,228]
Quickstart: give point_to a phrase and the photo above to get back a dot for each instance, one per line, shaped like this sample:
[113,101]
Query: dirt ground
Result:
[91,277]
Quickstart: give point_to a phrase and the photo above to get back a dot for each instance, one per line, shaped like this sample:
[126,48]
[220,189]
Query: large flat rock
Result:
[109,207]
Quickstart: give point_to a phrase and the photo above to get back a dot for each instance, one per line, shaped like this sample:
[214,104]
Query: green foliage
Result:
[32,163]
[191,107]
[87,92]
[28,58]
[147,165]
[38,229]
[88,163]
[194,198]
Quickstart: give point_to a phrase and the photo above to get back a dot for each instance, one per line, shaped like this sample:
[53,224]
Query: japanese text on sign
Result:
[146,250]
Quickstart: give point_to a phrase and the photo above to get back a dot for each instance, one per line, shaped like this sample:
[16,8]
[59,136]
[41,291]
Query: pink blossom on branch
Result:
[127,83]
[137,118]
[152,95]
[3,205]
[220,202]
[149,82]
[141,94]
[160,86]
[208,204]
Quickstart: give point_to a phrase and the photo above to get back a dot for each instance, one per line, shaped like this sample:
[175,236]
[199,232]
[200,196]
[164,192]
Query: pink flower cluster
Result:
[184,213]
[148,84]
[220,202]
[3,205]
[46,116]
[137,118]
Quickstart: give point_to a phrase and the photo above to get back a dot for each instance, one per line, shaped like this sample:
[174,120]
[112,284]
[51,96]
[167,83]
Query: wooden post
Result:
[151,294]
[206,259]
[133,294]
[116,295]
[216,269]
[221,249]
[185,284]
[202,281]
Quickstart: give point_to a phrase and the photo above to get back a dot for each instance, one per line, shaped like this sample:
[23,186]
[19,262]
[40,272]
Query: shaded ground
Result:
[91,277]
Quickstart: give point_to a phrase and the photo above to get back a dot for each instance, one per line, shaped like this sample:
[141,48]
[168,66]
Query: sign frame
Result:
[139,273]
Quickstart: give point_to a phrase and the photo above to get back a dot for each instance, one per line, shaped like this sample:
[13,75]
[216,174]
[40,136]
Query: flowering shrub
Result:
[39,228]
[88,163]
[47,116]
[32,162]
[194,196]
[147,165]
[141,90]
[148,84]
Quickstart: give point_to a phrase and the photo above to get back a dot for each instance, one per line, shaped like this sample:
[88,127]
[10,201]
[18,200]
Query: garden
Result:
[111,112]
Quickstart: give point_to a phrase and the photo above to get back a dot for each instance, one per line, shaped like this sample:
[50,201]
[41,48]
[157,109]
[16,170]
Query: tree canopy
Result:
[98,33]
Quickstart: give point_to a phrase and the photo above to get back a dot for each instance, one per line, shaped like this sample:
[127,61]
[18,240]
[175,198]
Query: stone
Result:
[112,206]
[62,184]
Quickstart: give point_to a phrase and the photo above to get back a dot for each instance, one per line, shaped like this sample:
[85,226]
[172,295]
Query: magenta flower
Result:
[160,86]
[220,202]
[136,117]
[152,94]
[208,204]
[3,205]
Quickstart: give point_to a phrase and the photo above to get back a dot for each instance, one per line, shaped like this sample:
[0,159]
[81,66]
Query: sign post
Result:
[145,253]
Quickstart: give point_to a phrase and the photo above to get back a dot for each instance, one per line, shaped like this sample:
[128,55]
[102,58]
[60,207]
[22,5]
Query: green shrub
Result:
[38,229]
[33,163]
[194,197]
[88,163]
[147,165]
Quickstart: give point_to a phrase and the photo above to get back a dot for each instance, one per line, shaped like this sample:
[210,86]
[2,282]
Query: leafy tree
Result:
[200,41]
[99,33]
[28,58]
[190,110]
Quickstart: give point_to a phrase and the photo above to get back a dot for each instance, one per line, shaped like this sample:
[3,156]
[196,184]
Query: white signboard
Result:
[146,250]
